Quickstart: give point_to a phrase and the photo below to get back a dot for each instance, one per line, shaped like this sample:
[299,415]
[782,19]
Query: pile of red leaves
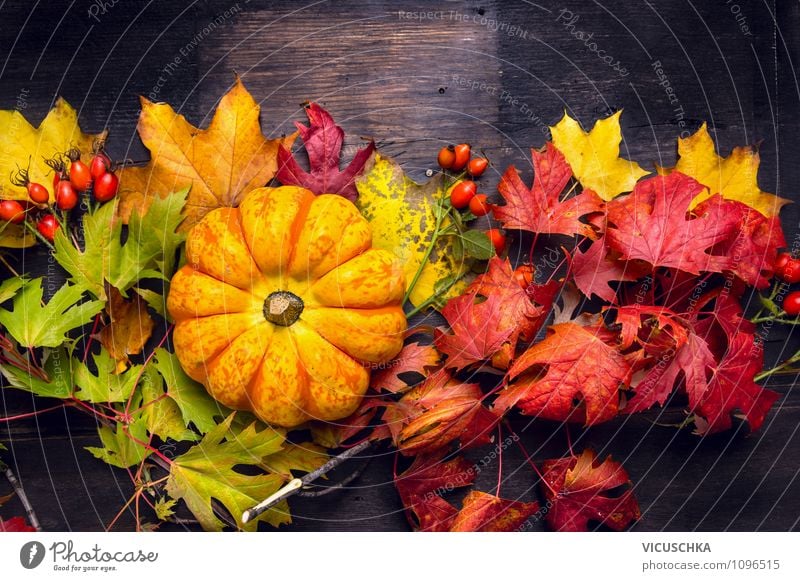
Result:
[650,311]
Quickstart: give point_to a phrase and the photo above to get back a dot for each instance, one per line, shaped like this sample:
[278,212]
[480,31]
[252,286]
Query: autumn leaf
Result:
[753,246]
[148,250]
[129,328]
[439,411]
[104,384]
[540,209]
[219,164]
[16,524]
[477,329]
[422,484]
[573,363]
[734,177]
[580,489]
[594,155]
[197,407]
[58,368]
[25,146]
[483,512]
[595,269]
[303,457]
[206,472]
[34,325]
[123,445]
[334,434]
[653,224]
[402,215]
[323,141]
[161,413]
[414,359]
[523,310]
[733,389]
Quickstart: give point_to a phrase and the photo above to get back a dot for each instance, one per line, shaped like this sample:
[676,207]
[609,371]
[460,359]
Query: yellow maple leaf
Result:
[220,164]
[129,327]
[735,176]
[402,215]
[24,146]
[594,156]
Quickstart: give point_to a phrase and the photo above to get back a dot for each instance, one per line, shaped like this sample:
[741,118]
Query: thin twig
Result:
[23,498]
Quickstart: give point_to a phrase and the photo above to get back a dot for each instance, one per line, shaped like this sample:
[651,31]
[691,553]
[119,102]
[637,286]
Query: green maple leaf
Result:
[164,508]
[104,386]
[148,251]
[206,472]
[119,449]
[58,365]
[305,457]
[34,325]
[10,287]
[196,406]
[162,414]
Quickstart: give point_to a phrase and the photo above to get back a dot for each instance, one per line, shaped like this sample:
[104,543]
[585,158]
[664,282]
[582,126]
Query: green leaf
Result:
[164,508]
[148,252]
[104,386]
[10,287]
[118,448]
[156,301]
[34,325]
[305,457]
[477,245]
[162,414]
[205,472]
[402,215]
[197,407]
[58,366]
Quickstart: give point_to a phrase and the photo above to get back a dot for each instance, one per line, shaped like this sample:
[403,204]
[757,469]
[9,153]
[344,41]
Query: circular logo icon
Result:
[31,554]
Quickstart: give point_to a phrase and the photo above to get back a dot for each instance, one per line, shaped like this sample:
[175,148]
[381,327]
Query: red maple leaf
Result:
[578,491]
[539,209]
[478,329]
[753,246]
[732,388]
[422,484]
[15,524]
[653,224]
[523,310]
[323,142]
[414,358]
[487,513]
[573,364]
[594,269]
[440,411]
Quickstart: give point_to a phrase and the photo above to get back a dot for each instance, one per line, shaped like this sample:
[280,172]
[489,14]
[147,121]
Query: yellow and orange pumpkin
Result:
[283,305]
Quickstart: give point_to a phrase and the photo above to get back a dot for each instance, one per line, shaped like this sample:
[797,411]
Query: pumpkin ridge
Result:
[294,232]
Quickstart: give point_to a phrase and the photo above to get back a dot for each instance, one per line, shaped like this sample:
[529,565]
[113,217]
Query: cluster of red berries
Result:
[71,178]
[787,268]
[464,195]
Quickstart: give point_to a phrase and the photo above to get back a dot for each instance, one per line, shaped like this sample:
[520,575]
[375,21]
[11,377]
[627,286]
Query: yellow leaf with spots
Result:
[221,163]
[24,146]
[735,176]
[594,156]
[402,214]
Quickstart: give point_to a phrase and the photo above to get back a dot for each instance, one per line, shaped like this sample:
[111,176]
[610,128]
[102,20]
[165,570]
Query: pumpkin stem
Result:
[283,308]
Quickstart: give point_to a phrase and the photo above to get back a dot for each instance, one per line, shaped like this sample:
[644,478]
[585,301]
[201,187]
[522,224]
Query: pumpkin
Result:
[283,306]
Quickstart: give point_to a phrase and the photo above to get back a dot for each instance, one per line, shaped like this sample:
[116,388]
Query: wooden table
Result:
[416,75]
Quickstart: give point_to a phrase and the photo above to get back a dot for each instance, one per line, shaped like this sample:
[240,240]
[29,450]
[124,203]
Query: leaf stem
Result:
[31,414]
[440,216]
